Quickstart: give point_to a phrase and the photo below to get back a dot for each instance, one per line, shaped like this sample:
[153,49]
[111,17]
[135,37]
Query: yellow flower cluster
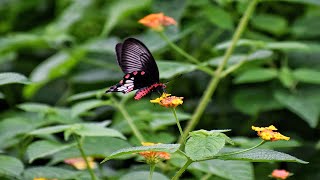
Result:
[157,21]
[166,100]
[80,164]
[269,134]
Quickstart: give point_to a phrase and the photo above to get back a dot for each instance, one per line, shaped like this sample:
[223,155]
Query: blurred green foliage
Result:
[57,58]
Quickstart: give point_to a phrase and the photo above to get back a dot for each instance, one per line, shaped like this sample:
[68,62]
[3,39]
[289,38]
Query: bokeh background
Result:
[62,48]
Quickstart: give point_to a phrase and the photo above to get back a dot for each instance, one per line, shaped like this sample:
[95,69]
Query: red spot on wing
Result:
[142,72]
[135,72]
[127,76]
[121,82]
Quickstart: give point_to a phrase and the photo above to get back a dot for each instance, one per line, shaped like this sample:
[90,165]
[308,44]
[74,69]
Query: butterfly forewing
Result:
[133,55]
[139,66]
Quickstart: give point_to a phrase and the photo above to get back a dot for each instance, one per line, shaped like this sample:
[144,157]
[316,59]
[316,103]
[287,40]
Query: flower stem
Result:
[184,167]
[126,116]
[80,147]
[216,79]
[236,152]
[185,54]
[177,120]
[152,166]
[178,49]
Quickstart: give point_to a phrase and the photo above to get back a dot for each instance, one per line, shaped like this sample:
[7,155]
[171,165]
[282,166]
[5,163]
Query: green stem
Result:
[207,176]
[177,120]
[215,80]
[184,167]
[236,152]
[186,55]
[79,142]
[178,49]
[126,116]
[152,166]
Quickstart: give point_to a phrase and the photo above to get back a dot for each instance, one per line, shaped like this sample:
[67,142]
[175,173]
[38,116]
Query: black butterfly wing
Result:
[133,55]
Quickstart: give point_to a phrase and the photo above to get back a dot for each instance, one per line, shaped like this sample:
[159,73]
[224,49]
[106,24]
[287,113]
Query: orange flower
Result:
[269,134]
[157,21]
[80,164]
[280,174]
[153,157]
[167,100]
[42,178]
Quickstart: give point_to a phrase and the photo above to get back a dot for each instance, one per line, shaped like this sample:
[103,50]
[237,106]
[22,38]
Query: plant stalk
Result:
[184,167]
[126,116]
[216,79]
[177,121]
[152,166]
[80,147]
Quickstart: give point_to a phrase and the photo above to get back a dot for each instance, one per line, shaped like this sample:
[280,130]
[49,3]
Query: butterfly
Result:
[140,68]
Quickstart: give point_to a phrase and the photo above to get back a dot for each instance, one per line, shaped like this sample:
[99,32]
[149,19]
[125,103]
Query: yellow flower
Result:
[157,21]
[153,157]
[280,174]
[80,164]
[42,178]
[269,134]
[167,100]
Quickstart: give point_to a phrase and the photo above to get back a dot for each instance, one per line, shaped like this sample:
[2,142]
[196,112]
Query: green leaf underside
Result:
[141,175]
[40,149]
[10,166]
[50,172]
[11,77]
[259,155]
[299,105]
[233,170]
[170,148]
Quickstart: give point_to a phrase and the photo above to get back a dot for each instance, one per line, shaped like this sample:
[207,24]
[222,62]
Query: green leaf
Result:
[120,9]
[219,17]
[310,2]
[201,145]
[301,106]
[84,106]
[258,155]
[161,120]
[170,69]
[55,66]
[86,95]
[237,58]
[95,146]
[255,100]
[305,27]
[256,75]
[286,77]
[2,95]
[96,129]
[10,166]
[11,77]
[170,148]
[233,170]
[50,173]
[271,23]
[35,107]
[141,175]
[283,45]
[307,75]
[50,130]
[40,149]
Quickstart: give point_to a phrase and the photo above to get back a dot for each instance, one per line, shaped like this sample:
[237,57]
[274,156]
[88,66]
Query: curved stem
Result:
[177,120]
[186,55]
[216,79]
[152,166]
[236,152]
[80,147]
[126,116]
[184,167]
[178,49]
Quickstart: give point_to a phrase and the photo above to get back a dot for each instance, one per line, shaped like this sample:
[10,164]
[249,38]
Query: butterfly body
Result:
[140,68]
